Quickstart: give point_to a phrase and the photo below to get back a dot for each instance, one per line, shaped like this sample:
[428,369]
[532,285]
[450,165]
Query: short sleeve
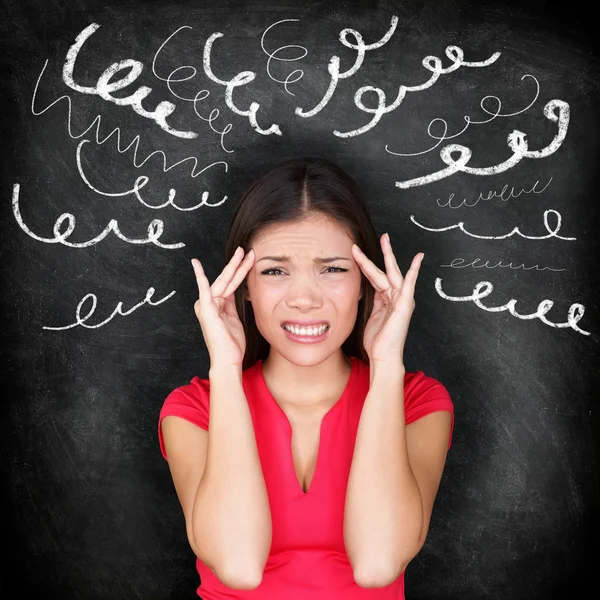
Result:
[190,402]
[424,395]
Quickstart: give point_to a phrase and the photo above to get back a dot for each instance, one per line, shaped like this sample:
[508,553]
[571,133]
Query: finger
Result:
[408,288]
[229,307]
[391,266]
[240,274]
[378,302]
[201,280]
[222,281]
[373,273]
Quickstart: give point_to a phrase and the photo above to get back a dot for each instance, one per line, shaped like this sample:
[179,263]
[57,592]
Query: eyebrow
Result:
[318,260]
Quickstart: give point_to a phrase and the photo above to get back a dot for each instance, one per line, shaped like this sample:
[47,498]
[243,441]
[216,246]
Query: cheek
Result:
[345,298]
[347,290]
[264,296]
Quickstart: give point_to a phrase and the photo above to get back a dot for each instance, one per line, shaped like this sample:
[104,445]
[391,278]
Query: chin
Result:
[307,360]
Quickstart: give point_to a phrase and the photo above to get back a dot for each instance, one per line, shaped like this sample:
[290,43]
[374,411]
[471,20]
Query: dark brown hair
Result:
[290,192]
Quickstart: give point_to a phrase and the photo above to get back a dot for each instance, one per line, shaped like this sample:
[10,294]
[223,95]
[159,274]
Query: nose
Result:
[304,293]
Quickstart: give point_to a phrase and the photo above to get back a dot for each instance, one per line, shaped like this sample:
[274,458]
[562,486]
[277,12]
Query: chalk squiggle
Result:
[155,229]
[334,66]
[576,311]
[494,194]
[242,78]
[516,230]
[105,88]
[273,55]
[469,121]
[432,64]
[516,142]
[118,310]
[140,182]
[117,130]
[486,265]
[214,113]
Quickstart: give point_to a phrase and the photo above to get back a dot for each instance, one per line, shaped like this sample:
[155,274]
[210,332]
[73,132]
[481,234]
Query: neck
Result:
[310,386]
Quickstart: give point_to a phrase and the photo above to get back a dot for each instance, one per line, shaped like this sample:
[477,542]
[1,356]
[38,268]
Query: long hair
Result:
[290,192]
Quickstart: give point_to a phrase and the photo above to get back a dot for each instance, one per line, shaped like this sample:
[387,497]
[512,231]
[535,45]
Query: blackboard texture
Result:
[130,128]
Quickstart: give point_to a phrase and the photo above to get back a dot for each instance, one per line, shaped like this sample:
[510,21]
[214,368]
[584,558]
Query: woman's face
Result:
[300,288]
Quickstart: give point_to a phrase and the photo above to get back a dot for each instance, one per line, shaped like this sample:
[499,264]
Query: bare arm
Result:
[227,513]
[383,513]
[232,507]
[394,478]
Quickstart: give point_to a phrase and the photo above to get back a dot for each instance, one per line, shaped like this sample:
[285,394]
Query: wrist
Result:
[224,370]
[387,369]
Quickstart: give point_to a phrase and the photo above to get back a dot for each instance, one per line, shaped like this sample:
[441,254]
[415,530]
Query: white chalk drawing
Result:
[457,263]
[135,142]
[124,72]
[200,95]
[140,182]
[505,195]
[576,311]
[104,89]
[516,142]
[515,231]
[469,121]
[242,78]
[155,229]
[273,56]
[81,321]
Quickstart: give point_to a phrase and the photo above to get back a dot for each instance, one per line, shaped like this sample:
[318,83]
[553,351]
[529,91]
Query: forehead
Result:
[313,232]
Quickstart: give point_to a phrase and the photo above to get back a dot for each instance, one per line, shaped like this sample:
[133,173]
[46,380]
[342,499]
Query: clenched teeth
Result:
[306,330]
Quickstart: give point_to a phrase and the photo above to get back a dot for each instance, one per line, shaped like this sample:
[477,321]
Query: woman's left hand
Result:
[394,303]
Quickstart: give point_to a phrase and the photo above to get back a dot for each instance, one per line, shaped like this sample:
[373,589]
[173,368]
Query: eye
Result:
[269,271]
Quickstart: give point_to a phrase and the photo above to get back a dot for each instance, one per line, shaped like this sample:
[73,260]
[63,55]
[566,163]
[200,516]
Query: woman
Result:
[317,476]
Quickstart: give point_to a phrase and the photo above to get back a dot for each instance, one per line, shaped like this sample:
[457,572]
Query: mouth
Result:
[306,333]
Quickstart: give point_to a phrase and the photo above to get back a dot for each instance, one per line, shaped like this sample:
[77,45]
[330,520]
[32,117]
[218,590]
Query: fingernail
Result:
[358,248]
[387,237]
[422,256]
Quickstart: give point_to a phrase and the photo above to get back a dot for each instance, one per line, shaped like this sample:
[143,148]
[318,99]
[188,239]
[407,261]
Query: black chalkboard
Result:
[473,130]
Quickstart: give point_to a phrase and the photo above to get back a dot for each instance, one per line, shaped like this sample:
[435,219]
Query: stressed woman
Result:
[308,462]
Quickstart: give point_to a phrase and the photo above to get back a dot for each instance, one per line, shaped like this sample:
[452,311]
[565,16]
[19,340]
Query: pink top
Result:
[307,558]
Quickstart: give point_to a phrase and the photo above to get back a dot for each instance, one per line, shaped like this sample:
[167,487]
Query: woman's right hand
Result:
[216,311]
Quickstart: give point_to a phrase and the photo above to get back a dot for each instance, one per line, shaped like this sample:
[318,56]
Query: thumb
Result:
[229,307]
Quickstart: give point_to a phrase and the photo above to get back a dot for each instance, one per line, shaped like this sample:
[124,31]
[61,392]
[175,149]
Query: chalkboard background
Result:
[98,322]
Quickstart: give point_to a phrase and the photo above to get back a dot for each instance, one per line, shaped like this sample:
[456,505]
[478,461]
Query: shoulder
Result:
[419,389]
[424,395]
[193,394]
[190,402]
[419,386]
[193,398]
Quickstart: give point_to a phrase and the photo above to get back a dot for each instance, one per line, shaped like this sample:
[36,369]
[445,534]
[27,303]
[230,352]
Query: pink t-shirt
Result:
[307,558]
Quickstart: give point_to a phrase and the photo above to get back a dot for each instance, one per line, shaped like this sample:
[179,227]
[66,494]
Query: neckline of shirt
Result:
[350,387]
